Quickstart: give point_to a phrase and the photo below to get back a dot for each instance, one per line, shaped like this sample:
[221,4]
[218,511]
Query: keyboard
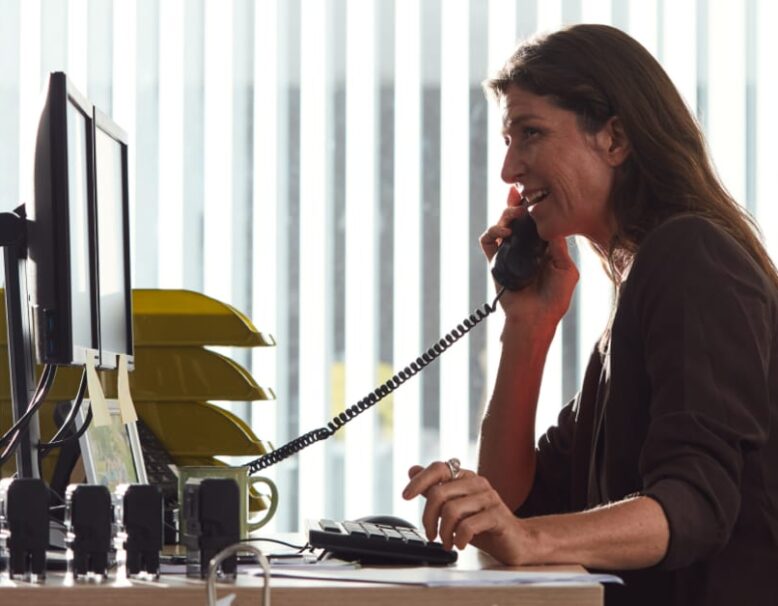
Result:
[159,464]
[377,543]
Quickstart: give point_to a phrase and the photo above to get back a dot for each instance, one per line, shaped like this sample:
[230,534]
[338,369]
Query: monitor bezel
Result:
[108,359]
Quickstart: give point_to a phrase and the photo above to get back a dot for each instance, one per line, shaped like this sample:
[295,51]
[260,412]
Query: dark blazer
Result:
[681,406]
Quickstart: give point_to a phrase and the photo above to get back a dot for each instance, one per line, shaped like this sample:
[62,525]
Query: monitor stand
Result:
[13,239]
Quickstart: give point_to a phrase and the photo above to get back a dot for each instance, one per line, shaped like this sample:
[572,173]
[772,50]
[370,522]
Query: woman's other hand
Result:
[465,509]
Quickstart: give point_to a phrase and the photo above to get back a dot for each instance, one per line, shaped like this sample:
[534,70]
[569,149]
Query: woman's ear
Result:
[614,142]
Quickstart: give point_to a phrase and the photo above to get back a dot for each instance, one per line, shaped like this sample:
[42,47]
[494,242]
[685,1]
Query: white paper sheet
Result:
[447,577]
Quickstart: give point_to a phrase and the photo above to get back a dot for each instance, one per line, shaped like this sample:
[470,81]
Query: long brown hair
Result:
[597,72]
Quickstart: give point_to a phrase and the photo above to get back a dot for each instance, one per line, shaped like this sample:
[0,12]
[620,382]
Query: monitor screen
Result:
[61,232]
[112,208]
[79,132]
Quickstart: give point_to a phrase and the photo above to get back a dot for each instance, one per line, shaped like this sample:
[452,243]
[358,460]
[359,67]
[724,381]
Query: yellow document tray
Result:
[185,374]
[161,373]
[169,373]
[199,429]
[183,317]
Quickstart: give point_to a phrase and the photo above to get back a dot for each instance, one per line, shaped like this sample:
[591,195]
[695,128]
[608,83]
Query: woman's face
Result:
[565,173]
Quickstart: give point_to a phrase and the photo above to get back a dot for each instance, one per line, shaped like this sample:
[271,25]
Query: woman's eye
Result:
[529,131]
[507,141]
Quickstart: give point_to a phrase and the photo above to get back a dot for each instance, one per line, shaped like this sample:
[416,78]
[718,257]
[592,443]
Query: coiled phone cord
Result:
[378,394]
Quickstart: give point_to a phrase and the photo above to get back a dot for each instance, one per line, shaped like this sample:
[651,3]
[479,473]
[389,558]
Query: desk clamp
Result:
[227,552]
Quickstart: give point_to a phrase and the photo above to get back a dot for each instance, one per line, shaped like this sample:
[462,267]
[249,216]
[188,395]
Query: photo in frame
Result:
[111,454]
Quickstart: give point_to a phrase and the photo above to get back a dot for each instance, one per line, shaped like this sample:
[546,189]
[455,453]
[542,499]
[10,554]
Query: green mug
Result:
[245,484]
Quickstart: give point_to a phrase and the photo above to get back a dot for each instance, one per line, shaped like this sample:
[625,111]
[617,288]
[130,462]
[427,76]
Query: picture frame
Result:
[112,454]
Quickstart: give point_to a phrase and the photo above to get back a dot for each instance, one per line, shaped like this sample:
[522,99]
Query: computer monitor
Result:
[113,241]
[61,238]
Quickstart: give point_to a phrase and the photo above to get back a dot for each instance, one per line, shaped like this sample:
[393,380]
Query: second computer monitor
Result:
[61,233]
[113,241]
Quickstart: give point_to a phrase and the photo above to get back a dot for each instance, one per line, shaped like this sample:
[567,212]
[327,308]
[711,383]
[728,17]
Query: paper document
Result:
[310,562]
[447,577]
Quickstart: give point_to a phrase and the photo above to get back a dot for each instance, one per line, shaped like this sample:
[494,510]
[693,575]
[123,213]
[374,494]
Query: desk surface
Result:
[175,590]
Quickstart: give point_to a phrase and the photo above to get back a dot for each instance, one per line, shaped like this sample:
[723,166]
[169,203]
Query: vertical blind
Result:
[327,167]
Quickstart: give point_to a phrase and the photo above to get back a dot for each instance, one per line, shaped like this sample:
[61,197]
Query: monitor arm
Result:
[13,239]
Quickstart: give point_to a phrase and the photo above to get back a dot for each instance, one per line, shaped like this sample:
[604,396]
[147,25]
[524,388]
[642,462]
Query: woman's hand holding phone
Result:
[543,302]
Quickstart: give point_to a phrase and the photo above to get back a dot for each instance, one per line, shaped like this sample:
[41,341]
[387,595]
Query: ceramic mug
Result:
[245,484]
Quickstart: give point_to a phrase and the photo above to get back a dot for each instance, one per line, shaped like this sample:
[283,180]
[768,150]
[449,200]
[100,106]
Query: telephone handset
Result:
[516,264]
[519,257]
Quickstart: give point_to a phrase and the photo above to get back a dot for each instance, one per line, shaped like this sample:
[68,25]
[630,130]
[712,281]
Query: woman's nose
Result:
[513,167]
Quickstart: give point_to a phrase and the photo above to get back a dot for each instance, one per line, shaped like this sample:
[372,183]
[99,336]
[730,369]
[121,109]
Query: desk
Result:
[177,590]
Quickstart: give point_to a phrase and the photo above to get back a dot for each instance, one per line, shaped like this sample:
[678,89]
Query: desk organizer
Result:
[175,381]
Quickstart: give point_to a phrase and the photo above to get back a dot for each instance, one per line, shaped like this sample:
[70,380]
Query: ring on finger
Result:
[454,466]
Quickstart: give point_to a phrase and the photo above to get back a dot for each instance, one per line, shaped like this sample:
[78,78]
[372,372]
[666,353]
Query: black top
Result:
[682,407]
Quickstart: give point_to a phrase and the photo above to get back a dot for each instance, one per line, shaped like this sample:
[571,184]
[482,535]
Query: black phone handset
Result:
[520,257]
[516,264]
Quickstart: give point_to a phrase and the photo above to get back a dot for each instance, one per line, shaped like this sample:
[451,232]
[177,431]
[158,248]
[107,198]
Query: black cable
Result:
[44,383]
[54,493]
[301,548]
[48,446]
[170,526]
[305,440]
[14,435]
[56,440]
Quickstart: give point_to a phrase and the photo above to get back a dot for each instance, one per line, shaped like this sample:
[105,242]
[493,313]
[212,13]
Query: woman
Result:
[663,468]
